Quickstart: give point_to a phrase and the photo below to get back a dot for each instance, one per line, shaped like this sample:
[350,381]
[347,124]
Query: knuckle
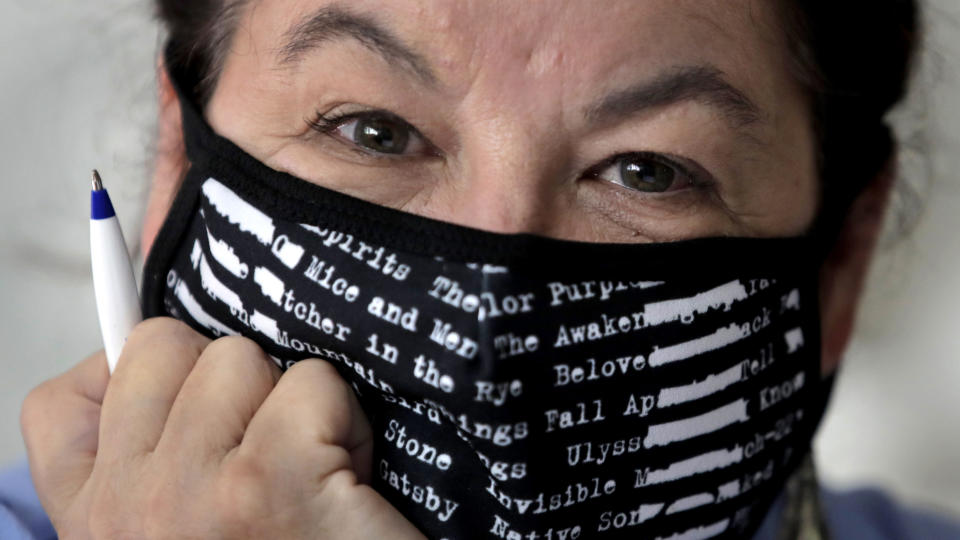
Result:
[322,368]
[161,510]
[149,328]
[234,345]
[31,409]
[159,335]
[240,354]
[35,410]
[165,330]
[242,491]
[41,418]
[314,371]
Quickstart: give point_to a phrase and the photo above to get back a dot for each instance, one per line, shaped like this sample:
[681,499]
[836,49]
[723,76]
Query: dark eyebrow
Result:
[688,83]
[334,22]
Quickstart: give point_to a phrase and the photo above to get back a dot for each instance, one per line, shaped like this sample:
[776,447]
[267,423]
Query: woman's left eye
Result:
[377,133]
[645,172]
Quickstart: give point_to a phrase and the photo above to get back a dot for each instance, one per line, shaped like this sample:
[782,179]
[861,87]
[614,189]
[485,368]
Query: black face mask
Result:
[517,386]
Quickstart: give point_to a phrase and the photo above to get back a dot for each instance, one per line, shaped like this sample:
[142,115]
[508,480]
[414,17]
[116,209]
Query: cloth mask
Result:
[518,387]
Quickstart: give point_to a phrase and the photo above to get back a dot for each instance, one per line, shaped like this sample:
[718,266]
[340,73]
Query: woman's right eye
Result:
[376,133]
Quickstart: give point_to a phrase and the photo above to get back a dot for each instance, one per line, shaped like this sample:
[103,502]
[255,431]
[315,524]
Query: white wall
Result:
[76,91]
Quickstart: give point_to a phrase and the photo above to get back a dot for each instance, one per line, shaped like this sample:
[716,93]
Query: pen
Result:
[118,303]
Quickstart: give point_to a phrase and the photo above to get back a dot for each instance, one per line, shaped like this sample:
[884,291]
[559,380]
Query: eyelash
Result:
[328,124]
[695,179]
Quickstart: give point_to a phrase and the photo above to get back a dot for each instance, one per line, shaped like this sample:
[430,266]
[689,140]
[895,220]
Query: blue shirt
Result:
[21,516]
[868,514]
[863,514]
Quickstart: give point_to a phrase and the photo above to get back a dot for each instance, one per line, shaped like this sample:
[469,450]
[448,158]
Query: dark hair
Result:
[853,57]
[198,35]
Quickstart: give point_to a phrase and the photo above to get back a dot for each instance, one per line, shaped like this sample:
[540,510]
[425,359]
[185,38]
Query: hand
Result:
[200,439]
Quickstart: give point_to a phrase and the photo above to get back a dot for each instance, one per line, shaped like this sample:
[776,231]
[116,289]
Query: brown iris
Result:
[381,135]
[644,174]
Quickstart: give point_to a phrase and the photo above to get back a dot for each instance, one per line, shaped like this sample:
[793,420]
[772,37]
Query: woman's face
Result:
[612,121]
[600,120]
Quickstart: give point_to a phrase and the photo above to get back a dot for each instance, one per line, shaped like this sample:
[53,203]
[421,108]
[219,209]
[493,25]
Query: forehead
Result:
[574,42]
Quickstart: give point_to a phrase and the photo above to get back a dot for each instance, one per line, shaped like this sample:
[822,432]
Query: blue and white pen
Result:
[118,303]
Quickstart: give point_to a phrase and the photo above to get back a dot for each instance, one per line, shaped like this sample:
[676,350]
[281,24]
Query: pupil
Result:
[381,136]
[646,175]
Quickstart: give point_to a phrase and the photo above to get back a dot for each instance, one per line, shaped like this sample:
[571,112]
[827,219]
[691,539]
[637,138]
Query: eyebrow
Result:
[686,83]
[335,22]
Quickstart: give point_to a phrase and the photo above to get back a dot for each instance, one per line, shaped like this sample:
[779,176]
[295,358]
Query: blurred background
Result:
[77,92]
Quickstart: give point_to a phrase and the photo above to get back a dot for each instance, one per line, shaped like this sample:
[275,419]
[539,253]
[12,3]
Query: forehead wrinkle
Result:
[334,22]
[703,84]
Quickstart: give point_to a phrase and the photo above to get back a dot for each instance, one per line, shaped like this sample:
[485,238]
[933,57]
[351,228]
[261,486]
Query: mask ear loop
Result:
[174,225]
[185,82]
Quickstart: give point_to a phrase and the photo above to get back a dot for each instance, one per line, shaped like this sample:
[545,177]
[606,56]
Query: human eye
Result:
[649,172]
[375,133]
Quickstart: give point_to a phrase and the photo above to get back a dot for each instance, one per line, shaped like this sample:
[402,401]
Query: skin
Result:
[511,151]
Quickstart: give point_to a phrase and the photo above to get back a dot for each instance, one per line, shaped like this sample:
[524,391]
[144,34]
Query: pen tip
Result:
[97,183]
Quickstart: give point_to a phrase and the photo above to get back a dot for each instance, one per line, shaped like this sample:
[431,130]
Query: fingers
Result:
[314,415]
[59,421]
[176,396]
[159,355]
[231,379]
[89,378]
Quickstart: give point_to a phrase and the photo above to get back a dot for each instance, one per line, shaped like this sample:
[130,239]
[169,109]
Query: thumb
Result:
[60,421]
